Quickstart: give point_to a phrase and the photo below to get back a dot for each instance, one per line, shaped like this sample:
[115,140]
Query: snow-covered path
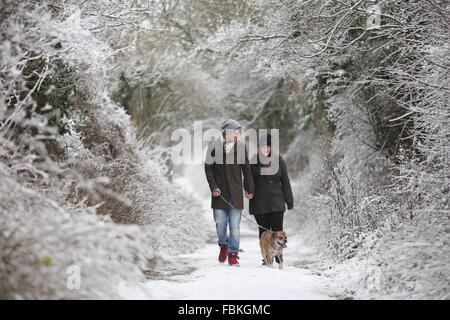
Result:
[249,281]
[212,280]
[199,275]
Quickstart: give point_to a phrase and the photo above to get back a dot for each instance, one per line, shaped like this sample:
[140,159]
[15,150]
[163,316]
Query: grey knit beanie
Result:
[230,124]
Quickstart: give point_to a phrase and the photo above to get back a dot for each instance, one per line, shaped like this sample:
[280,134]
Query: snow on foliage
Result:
[90,92]
[77,188]
[372,149]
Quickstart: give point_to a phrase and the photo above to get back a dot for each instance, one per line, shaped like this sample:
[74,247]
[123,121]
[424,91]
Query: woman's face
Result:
[265,151]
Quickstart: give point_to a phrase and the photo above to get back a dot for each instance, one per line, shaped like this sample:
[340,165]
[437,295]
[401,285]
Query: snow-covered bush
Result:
[41,240]
[77,187]
[378,99]
[364,111]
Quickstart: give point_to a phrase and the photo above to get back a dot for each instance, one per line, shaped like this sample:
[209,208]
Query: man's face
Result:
[232,135]
[236,134]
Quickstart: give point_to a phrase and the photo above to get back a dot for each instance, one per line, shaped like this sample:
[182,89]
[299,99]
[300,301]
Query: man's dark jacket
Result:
[272,192]
[228,178]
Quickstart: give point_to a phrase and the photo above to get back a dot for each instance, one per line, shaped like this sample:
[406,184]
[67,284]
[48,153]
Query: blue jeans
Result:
[223,218]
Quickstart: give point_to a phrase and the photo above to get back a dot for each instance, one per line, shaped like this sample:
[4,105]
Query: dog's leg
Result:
[270,261]
[281,261]
[263,254]
[266,260]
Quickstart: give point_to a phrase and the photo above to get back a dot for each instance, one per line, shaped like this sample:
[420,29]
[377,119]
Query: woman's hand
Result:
[249,196]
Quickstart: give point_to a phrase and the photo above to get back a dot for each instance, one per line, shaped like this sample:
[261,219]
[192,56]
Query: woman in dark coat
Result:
[272,192]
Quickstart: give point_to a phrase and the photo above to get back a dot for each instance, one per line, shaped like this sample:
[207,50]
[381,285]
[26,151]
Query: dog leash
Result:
[248,219]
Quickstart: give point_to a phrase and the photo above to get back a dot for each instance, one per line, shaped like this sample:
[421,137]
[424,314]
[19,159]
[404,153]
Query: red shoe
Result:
[223,253]
[233,259]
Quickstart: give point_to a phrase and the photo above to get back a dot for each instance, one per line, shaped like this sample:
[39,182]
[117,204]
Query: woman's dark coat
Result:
[272,192]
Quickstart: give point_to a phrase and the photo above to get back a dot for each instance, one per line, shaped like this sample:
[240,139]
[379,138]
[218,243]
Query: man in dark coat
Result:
[224,167]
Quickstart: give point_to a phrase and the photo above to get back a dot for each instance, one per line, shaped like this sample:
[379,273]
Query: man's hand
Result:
[249,196]
[216,193]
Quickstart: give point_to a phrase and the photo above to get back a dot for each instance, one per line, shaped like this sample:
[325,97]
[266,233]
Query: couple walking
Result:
[268,194]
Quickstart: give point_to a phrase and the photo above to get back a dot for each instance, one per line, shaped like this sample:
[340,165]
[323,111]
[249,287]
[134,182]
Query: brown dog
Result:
[272,245]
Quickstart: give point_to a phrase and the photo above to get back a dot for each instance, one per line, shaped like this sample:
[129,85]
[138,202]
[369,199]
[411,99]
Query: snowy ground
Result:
[207,279]
[200,276]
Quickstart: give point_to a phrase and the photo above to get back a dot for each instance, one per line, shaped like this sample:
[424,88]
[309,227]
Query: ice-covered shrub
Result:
[77,188]
[384,92]
[41,240]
